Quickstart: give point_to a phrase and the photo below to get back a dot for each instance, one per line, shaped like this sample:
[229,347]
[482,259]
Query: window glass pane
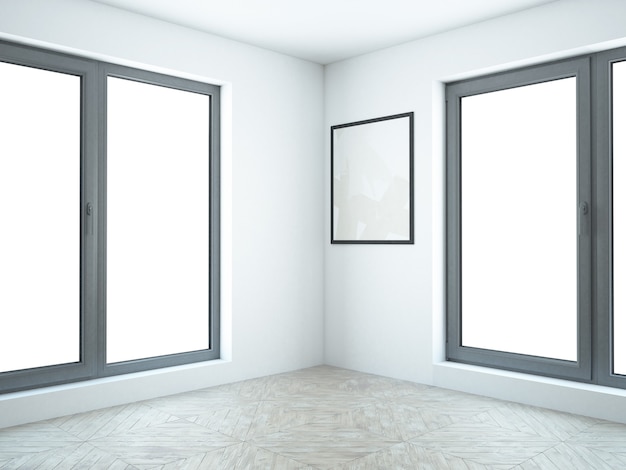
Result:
[519,220]
[40,218]
[157,221]
[619,218]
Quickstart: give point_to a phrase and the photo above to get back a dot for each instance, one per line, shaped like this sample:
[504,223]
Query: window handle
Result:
[89,212]
[583,211]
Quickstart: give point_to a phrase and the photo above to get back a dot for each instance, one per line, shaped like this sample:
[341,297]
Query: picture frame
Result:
[372,181]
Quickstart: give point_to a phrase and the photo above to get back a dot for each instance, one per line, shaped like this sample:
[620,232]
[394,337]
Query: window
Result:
[109,198]
[533,220]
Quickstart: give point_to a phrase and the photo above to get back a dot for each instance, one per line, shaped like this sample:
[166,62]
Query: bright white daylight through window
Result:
[619,217]
[40,217]
[519,220]
[158,220]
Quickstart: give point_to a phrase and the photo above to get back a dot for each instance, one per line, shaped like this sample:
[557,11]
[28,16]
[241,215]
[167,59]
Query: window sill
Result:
[60,400]
[572,397]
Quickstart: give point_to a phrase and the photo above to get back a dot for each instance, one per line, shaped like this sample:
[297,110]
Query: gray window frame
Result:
[92,363]
[455,351]
[595,257]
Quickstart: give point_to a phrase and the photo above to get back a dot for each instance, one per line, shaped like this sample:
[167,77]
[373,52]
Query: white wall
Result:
[384,305]
[272,202]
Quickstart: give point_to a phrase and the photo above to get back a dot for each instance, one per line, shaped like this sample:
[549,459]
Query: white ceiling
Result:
[324,31]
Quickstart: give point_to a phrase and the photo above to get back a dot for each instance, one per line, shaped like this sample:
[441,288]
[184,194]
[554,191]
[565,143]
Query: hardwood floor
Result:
[318,418]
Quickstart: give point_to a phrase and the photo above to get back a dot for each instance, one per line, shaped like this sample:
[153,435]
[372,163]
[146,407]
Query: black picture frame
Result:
[372,181]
